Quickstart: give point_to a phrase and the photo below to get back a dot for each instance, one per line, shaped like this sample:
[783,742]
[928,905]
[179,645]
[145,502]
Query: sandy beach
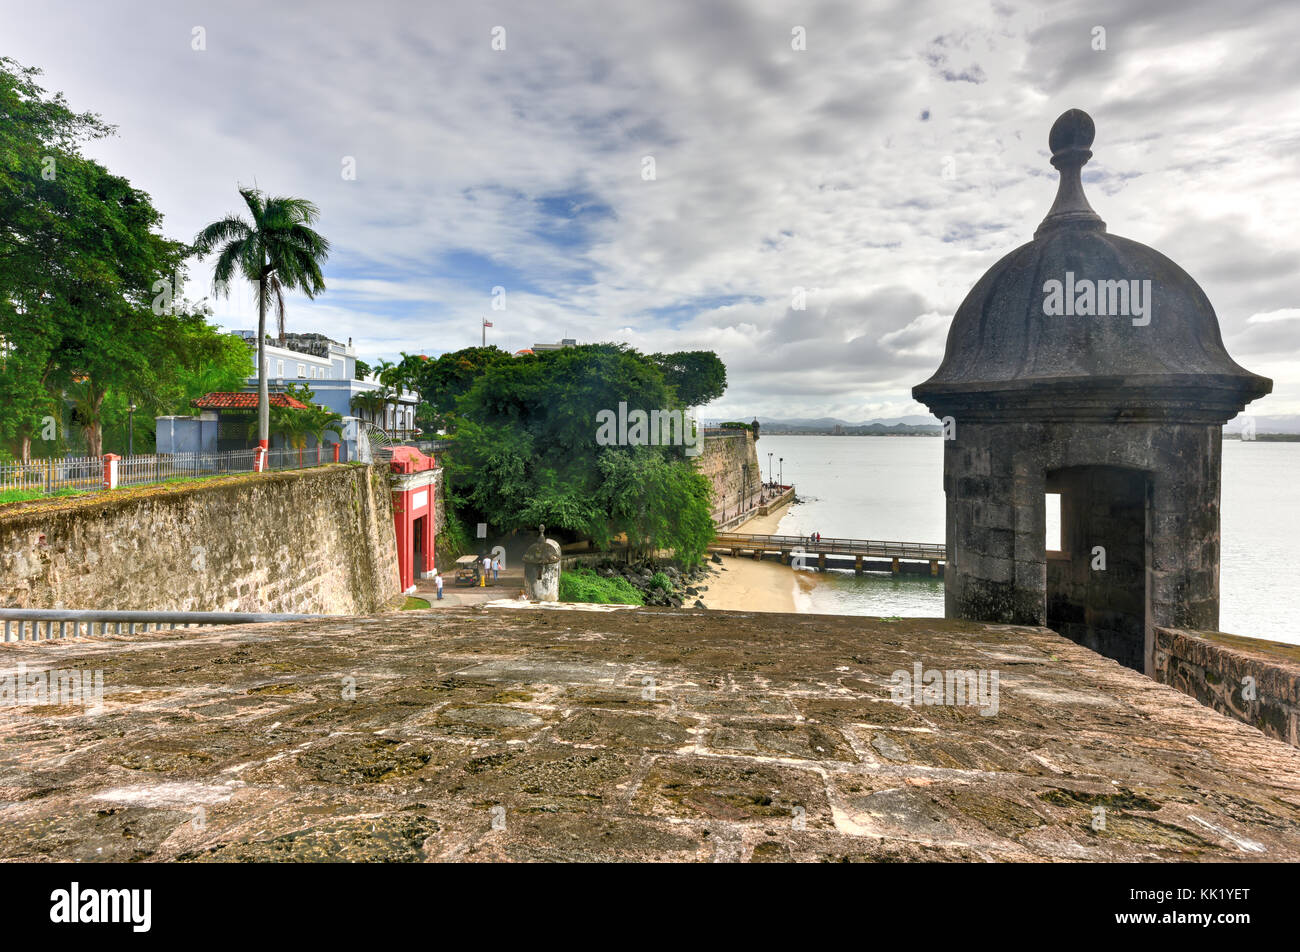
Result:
[763,525]
[749,585]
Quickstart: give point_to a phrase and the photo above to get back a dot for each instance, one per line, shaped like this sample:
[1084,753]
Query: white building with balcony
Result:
[329,369]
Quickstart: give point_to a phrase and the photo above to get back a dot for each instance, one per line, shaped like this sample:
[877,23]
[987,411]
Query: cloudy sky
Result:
[882,169]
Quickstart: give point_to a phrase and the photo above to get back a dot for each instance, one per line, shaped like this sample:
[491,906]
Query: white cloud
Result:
[775,168]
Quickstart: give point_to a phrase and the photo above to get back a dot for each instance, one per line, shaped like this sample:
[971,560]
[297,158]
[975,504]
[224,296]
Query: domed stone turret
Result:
[1086,368]
[1084,319]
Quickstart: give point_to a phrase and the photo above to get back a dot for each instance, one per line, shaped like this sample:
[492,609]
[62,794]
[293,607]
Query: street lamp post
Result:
[130,429]
[781,473]
[769,467]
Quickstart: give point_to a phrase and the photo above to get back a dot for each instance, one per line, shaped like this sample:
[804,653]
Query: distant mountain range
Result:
[898,426]
[830,422]
[916,424]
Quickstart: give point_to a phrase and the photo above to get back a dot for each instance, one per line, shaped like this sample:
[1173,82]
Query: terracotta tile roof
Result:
[244,401]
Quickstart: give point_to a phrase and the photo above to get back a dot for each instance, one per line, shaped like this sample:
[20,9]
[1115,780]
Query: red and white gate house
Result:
[413,513]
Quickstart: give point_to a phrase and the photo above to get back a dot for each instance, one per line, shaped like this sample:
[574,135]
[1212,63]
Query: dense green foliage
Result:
[697,377]
[527,453]
[441,382]
[91,313]
[455,539]
[584,585]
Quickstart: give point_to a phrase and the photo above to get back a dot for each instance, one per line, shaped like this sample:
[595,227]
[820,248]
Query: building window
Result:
[279,364]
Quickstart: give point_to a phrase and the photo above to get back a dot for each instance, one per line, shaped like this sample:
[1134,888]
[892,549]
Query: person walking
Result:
[496,570]
[487,567]
[437,580]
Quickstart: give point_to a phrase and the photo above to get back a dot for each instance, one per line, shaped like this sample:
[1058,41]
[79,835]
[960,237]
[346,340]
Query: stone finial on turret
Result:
[1071,143]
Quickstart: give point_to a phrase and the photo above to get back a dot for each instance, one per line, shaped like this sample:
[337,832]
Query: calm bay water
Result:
[890,487]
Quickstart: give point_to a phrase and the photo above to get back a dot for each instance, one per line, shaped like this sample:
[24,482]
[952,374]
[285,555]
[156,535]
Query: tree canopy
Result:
[91,310]
[527,452]
[697,377]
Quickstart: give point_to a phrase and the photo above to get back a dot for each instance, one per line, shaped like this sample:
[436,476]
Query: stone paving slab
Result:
[480,734]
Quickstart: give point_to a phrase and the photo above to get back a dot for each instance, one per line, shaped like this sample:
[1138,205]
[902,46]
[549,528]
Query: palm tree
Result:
[322,420]
[296,424]
[276,252]
[386,372]
[369,402]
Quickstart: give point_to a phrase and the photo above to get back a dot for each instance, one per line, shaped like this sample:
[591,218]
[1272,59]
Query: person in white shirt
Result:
[437,580]
[487,567]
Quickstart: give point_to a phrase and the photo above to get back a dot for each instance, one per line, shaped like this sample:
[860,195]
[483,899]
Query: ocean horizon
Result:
[891,488]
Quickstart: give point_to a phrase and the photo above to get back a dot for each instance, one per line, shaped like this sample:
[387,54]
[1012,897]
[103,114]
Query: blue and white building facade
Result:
[324,366]
[329,369]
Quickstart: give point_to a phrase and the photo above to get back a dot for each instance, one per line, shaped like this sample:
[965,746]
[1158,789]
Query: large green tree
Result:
[42,257]
[276,250]
[123,329]
[81,265]
[441,382]
[528,452]
[697,377]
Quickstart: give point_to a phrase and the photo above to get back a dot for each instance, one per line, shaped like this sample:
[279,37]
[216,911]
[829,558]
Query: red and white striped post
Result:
[262,450]
[110,470]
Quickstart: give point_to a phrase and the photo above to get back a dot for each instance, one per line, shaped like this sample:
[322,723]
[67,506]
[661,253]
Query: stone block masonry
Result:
[315,541]
[1255,681]
[723,463]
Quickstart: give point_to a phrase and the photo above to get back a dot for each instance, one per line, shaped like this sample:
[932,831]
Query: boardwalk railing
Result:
[26,624]
[87,472]
[919,551]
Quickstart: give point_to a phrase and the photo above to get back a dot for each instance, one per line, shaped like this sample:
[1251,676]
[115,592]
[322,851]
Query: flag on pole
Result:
[487,323]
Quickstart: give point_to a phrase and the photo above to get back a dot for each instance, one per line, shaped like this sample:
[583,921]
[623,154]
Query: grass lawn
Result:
[414,604]
[27,495]
[171,482]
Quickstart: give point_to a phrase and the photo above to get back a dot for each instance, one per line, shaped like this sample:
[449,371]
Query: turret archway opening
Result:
[1098,582]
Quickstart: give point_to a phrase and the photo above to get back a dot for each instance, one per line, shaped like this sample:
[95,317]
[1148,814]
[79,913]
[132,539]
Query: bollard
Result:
[110,470]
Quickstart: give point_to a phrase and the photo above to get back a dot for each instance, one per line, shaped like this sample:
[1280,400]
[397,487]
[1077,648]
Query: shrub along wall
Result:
[318,540]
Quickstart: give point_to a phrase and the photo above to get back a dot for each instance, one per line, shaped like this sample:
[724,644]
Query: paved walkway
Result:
[460,596]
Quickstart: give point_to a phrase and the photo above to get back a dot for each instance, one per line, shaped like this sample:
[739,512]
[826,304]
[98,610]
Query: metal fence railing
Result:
[87,472]
[925,551]
[47,475]
[43,624]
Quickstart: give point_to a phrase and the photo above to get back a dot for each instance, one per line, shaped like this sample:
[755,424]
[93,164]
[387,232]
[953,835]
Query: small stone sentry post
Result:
[1088,366]
[542,569]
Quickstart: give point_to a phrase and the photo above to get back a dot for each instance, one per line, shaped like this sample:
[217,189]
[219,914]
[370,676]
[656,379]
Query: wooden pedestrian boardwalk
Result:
[832,552]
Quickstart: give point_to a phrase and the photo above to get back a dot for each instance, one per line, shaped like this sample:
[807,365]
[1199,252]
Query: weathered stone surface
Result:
[317,540]
[649,734]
